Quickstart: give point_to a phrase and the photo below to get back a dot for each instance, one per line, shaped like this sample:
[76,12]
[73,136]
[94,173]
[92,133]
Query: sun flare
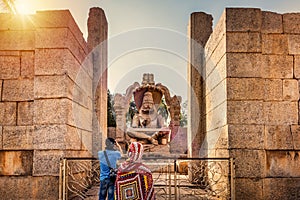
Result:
[22,7]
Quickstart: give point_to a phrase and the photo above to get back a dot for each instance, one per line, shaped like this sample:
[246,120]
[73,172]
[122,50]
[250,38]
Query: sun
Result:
[22,7]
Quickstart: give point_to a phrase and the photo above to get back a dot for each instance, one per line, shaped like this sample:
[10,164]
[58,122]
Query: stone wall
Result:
[252,100]
[46,79]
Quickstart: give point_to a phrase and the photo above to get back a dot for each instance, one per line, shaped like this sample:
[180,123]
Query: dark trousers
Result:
[107,188]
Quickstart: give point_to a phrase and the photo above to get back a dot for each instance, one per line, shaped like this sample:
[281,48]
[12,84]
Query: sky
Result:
[150,36]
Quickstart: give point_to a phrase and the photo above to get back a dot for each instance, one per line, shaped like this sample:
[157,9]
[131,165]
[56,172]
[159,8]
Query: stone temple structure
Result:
[53,85]
[243,97]
[244,80]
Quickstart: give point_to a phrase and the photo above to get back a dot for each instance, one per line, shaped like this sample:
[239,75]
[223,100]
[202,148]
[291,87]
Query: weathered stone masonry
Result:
[251,100]
[46,100]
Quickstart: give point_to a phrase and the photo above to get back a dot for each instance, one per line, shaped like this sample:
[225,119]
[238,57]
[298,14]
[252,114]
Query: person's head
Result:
[110,143]
[135,152]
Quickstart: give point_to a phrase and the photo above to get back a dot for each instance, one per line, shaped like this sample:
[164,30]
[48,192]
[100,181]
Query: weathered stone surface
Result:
[87,141]
[79,116]
[17,40]
[296,136]
[64,39]
[282,164]
[273,89]
[249,163]
[43,111]
[247,42]
[18,90]
[245,88]
[244,65]
[297,67]
[46,162]
[278,137]
[27,64]
[15,22]
[245,112]
[277,66]
[214,59]
[17,137]
[216,36]
[1,138]
[274,44]
[294,44]
[8,113]
[249,189]
[281,188]
[289,23]
[29,187]
[271,22]
[1,81]
[52,87]
[56,137]
[216,97]
[246,136]
[243,19]
[216,117]
[290,90]
[276,113]
[10,67]
[16,163]
[25,113]
[60,18]
[179,143]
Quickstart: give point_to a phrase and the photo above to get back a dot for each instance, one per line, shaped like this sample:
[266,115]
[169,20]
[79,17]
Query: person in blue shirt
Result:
[107,185]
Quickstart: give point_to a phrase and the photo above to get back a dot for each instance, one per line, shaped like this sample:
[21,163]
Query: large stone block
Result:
[248,42]
[27,64]
[245,88]
[216,97]
[297,67]
[87,141]
[18,90]
[16,163]
[56,137]
[273,90]
[296,136]
[290,90]
[249,163]
[277,66]
[60,18]
[276,113]
[17,137]
[248,189]
[64,39]
[271,22]
[51,111]
[29,187]
[281,188]
[282,164]
[25,113]
[291,23]
[10,67]
[244,65]
[80,116]
[245,112]
[243,19]
[46,162]
[278,137]
[274,44]
[294,44]
[217,117]
[17,40]
[8,113]
[15,22]
[246,136]
[52,87]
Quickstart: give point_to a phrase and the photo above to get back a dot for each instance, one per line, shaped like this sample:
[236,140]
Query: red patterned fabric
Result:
[134,179]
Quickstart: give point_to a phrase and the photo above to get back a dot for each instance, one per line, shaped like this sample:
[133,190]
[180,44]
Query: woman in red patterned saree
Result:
[134,179]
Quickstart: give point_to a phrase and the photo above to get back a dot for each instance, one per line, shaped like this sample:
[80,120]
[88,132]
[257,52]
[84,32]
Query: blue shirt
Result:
[112,156]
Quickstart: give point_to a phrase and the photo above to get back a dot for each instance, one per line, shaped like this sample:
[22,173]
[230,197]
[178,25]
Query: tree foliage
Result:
[111,115]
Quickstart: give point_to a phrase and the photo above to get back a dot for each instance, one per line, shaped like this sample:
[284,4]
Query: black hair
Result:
[110,142]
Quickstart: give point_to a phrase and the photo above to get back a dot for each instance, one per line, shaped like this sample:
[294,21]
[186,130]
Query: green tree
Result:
[111,115]
[183,114]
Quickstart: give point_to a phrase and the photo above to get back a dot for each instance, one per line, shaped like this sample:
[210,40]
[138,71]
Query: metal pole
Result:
[64,179]
[175,178]
[170,179]
[60,181]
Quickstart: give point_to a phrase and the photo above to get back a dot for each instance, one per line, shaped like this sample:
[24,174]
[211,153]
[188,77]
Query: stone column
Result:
[97,45]
[200,28]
